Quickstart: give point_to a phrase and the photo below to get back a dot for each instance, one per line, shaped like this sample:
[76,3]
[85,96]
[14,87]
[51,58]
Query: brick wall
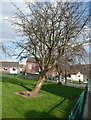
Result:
[32,67]
[51,73]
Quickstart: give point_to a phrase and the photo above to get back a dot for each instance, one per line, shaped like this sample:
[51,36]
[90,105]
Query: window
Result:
[29,66]
[5,68]
[35,66]
[78,75]
[14,69]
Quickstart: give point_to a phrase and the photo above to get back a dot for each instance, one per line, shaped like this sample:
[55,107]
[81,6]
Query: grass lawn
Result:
[56,102]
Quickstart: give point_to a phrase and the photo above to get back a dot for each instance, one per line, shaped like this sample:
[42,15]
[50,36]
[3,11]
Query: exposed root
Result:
[28,94]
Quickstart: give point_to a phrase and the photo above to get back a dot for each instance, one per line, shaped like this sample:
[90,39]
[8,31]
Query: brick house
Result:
[10,67]
[32,67]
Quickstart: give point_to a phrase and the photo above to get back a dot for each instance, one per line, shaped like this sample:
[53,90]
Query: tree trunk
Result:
[65,78]
[59,78]
[38,86]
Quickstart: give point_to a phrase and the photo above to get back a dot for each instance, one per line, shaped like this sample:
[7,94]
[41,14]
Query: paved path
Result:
[87,108]
[89,101]
[68,83]
[89,114]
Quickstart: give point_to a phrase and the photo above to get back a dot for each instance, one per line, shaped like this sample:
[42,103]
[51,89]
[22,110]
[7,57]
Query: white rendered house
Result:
[76,77]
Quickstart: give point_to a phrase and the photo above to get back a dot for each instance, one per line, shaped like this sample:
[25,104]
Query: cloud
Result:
[5,40]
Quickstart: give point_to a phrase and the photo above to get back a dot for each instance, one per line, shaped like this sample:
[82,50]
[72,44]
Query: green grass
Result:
[56,102]
[76,82]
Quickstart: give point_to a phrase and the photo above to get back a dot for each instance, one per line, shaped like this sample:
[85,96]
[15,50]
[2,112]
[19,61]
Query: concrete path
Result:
[68,84]
[89,101]
[87,108]
[89,114]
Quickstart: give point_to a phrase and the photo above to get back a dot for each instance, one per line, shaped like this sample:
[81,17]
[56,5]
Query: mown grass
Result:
[56,102]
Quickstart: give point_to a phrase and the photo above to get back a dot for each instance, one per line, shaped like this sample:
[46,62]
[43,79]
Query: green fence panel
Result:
[77,111]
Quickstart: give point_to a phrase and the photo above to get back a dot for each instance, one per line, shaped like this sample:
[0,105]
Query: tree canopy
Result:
[50,31]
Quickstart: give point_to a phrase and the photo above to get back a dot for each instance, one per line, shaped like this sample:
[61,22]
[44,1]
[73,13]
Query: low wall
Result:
[31,76]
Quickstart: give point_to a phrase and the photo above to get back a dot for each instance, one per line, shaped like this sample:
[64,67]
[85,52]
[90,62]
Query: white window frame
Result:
[5,68]
[13,69]
[30,66]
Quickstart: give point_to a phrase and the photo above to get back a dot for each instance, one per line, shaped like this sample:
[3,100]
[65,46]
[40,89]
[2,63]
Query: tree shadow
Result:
[38,115]
[17,82]
[57,105]
[27,88]
[20,84]
[67,92]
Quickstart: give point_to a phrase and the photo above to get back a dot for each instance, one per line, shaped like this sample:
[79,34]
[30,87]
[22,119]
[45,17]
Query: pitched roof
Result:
[80,68]
[32,60]
[9,64]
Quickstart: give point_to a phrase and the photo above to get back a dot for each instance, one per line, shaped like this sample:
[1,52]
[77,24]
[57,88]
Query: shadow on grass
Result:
[15,81]
[20,84]
[67,92]
[57,105]
[29,89]
[37,114]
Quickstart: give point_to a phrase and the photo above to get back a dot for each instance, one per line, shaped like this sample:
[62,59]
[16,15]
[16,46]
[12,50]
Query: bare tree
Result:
[62,67]
[49,31]
[65,64]
[4,50]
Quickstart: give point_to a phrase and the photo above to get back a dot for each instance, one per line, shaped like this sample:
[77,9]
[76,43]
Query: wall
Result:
[29,76]
[5,71]
[32,69]
[10,71]
[76,77]
[14,72]
[51,73]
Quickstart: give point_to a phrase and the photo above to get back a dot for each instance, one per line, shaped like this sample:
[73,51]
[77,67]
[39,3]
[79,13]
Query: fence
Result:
[77,111]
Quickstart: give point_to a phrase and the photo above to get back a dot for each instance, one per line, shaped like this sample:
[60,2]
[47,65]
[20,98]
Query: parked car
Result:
[85,81]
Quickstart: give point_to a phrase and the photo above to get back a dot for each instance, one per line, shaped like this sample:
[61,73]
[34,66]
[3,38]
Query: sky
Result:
[7,33]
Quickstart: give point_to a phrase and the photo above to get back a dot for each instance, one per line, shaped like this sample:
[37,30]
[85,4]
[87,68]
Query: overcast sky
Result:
[7,34]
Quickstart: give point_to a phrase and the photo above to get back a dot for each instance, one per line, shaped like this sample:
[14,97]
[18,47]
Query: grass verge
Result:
[56,102]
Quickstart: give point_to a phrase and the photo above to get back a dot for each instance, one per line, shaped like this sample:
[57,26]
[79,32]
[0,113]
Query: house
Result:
[80,71]
[75,72]
[76,77]
[10,67]
[32,67]
[22,68]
